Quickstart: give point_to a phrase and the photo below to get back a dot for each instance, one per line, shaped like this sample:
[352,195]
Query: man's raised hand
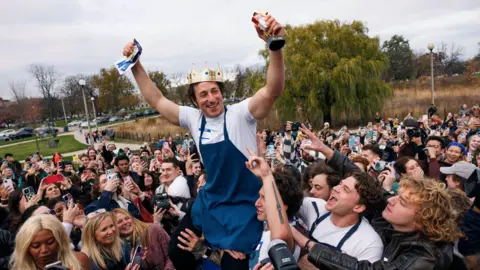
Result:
[257,165]
[317,144]
[128,49]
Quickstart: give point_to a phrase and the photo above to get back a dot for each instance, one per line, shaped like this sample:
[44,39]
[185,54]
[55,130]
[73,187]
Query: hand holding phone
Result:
[138,255]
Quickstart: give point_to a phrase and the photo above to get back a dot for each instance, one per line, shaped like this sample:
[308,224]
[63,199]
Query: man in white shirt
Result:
[338,222]
[224,210]
[171,181]
[292,196]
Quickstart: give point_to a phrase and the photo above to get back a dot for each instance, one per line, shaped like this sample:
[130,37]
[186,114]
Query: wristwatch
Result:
[207,253]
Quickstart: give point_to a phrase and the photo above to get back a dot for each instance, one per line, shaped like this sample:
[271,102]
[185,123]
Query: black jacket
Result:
[402,251]
[342,164]
[7,242]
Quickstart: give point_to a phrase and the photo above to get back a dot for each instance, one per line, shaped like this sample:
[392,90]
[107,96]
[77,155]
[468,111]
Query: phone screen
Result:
[138,255]
[28,192]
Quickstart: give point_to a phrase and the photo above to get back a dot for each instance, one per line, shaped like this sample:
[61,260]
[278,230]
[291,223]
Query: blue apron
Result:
[323,217]
[224,209]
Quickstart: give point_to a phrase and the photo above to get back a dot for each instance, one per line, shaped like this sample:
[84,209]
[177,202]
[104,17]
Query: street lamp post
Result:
[36,135]
[64,114]
[430,47]
[94,111]
[82,85]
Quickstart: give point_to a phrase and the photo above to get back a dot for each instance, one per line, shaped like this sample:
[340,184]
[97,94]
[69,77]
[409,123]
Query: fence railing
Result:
[138,137]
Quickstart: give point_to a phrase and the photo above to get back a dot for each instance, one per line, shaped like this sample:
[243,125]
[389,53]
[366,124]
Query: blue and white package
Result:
[126,64]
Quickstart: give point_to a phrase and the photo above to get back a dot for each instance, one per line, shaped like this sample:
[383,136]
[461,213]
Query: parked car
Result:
[23,133]
[7,132]
[115,119]
[85,124]
[74,123]
[149,112]
[101,120]
[133,115]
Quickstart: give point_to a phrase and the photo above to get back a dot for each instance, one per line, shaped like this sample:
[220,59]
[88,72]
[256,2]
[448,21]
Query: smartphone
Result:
[127,180]
[138,256]
[144,158]
[67,198]
[8,183]
[28,192]
[56,265]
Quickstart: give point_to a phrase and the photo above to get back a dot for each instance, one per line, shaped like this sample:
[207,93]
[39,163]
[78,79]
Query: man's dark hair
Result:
[8,155]
[121,157]
[375,150]
[333,178]
[144,150]
[191,92]
[368,189]
[292,195]
[173,161]
[438,139]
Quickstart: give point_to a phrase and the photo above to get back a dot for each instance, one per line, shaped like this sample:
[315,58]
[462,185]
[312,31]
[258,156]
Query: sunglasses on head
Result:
[95,213]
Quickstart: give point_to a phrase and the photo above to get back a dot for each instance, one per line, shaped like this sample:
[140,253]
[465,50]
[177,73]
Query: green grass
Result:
[19,140]
[477,75]
[67,144]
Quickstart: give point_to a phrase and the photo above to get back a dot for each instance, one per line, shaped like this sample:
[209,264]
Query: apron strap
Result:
[204,123]
[349,233]
[225,133]
[317,221]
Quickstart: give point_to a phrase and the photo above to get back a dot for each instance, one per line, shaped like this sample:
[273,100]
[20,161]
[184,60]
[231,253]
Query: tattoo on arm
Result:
[279,207]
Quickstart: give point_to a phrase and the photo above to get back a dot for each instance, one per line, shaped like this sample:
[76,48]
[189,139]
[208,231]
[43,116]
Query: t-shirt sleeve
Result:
[307,211]
[188,117]
[242,109]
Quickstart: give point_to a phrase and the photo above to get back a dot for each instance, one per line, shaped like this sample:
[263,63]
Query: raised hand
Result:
[189,239]
[317,144]
[257,165]
[128,49]
[274,28]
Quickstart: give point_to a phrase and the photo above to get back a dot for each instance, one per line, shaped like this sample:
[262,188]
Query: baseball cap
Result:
[462,168]
[467,171]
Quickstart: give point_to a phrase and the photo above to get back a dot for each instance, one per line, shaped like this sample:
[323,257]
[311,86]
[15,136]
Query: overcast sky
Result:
[84,36]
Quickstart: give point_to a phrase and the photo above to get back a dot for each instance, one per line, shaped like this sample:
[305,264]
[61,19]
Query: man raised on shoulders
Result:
[224,210]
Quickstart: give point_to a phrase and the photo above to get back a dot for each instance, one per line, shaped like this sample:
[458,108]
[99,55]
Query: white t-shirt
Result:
[178,188]
[364,244]
[241,126]
[262,247]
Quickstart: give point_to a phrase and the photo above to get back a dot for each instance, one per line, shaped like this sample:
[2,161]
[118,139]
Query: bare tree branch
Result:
[18,89]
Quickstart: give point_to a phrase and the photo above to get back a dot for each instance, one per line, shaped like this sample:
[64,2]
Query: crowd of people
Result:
[394,194]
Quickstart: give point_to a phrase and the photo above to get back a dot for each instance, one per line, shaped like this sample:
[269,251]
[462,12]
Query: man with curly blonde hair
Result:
[418,228]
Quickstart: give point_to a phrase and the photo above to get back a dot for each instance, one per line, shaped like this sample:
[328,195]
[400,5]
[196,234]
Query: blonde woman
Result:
[151,236]
[41,241]
[101,242]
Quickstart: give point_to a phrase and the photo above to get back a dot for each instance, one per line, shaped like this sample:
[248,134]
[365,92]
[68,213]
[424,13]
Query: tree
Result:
[46,77]
[401,58]
[161,81]
[112,88]
[18,91]
[178,89]
[332,69]
[72,93]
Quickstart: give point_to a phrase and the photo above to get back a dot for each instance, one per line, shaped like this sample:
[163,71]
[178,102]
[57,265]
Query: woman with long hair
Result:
[101,242]
[41,241]
[17,203]
[151,236]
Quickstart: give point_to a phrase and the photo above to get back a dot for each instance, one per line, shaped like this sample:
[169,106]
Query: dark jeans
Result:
[182,259]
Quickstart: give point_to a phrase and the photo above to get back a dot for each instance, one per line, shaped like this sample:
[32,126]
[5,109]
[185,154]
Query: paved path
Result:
[74,130]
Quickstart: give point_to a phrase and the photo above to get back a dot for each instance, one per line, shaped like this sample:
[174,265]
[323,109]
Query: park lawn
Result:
[67,144]
[19,140]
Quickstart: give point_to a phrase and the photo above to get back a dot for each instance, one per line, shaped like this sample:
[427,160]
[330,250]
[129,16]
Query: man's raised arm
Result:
[152,94]
[262,102]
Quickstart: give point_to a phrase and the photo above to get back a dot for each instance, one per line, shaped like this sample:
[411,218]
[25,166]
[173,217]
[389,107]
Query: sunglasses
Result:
[95,213]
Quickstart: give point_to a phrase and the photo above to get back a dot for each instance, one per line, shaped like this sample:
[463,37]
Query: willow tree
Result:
[333,69]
